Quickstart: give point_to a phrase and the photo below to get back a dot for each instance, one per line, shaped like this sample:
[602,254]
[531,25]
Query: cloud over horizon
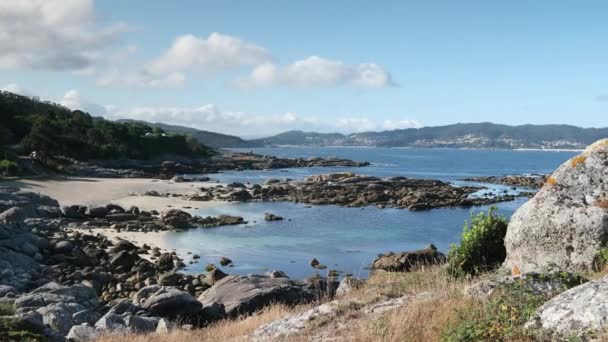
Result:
[315,71]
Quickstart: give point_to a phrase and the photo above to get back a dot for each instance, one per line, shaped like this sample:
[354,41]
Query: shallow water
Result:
[348,239]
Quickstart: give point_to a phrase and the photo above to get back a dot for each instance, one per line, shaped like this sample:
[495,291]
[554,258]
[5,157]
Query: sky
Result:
[259,67]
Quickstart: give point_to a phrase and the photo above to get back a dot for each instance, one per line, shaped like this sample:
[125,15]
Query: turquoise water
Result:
[348,239]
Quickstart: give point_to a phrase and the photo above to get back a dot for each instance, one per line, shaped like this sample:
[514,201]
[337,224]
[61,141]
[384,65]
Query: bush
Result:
[481,245]
[502,318]
[8,167]
[6,309]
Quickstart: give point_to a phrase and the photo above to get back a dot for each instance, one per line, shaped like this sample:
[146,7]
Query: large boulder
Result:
[406,261]
[566,223]
[172,303]
[237,295]
[580,310]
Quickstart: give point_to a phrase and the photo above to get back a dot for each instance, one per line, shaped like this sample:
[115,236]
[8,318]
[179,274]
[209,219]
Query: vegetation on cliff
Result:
[51,129]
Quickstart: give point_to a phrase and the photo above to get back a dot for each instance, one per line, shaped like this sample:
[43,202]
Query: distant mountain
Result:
[211,139]
[462,135]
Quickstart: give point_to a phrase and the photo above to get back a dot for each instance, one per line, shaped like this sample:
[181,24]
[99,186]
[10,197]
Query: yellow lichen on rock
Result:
[578,160]
[551,181]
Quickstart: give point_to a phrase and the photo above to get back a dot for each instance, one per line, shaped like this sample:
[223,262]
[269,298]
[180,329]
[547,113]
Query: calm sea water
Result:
[348,239]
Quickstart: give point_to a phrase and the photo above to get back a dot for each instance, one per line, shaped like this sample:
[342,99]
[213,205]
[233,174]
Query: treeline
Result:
[28,124]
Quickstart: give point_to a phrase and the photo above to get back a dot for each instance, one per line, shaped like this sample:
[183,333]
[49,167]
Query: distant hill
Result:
[211,139]
[28,124]
[462,135]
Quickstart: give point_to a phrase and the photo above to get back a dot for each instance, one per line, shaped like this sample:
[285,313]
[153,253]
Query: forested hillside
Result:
[28,124]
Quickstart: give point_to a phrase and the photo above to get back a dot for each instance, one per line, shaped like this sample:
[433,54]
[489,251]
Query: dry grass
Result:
[226,330]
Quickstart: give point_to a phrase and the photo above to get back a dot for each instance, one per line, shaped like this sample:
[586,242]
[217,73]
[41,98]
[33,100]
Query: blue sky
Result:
[260,67]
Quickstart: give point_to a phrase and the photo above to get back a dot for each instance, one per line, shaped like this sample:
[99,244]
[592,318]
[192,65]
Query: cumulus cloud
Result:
[216,52]
[138,79]
[52,34]
[316,71]
[400,124]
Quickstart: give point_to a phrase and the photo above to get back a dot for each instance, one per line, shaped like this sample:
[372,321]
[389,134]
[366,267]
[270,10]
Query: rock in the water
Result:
[236,295]
[565,224]
[578,311]
[170,302]
[225,261]
[406,261]
[177,219]
[214,276]
[272,217]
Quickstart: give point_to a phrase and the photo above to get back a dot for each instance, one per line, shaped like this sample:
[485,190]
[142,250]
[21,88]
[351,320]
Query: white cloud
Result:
[317,72]
[211,118]
[15,88]
[52,34]
[74,101]
[216,52]
[400,124]
[187,53]
[138,79]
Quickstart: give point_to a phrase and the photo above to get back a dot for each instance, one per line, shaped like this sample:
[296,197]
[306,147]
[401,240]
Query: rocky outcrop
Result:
[237,295]
[348,189]
[406,261]
[576,312]
[526,181]
[566,223]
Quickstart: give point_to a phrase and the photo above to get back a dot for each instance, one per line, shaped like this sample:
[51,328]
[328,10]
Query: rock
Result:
[115,208]
[139,324]
[96,212]
[237,295]
[111,322]
[177,219]
[165,326]
[172,303]
[230,220]
[144,293]
[276,274]
[535,283]
[168,279]
[17,214]
[8,291]
[124,259]
[82,333]
[59,316]
[63,247]
[240,196]
[564,225]
[405,261]
[582,309]
[52,293]
[272,217]
[314,262]
[225,261]
[89,316]
[347,285]
[214,276]
[165,262]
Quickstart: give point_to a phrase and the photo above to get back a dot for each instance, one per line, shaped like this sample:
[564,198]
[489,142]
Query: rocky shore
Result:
[168,168]
[63,280]
[526,181]
[351,190]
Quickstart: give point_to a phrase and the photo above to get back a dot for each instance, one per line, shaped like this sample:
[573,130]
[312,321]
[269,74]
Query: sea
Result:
[349,239]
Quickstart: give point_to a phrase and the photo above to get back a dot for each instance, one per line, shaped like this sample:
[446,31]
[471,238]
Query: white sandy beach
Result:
[123,191]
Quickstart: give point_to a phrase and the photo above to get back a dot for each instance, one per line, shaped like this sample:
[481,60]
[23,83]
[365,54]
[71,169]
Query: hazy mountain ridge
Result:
[212,139]
[461,135]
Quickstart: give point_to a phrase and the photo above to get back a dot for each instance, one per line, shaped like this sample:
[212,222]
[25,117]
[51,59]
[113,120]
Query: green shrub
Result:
[601,258]
[481,245]
[8,167]
[6,309]
[501,318]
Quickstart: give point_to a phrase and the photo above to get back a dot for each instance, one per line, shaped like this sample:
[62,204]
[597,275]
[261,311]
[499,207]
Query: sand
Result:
[123,191]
